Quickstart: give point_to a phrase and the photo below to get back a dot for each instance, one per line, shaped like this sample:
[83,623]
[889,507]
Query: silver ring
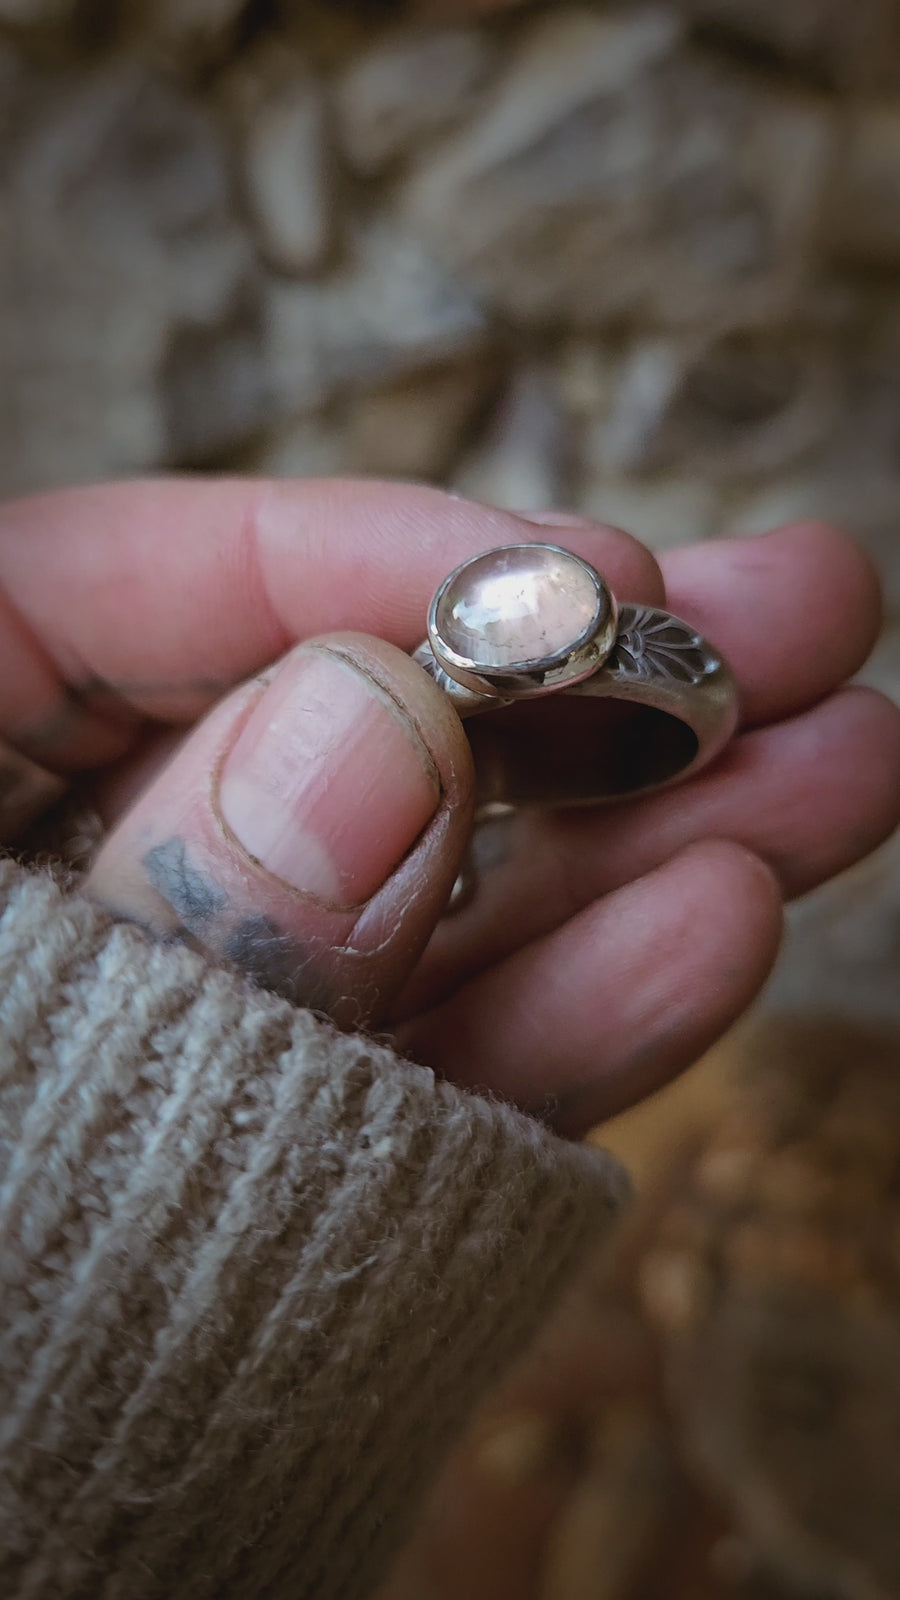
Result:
[590,701]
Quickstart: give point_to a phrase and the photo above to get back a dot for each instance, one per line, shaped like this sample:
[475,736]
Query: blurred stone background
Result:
[641,260]
[638,259]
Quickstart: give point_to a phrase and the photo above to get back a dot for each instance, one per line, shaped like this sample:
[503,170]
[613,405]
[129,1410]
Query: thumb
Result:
[308,831]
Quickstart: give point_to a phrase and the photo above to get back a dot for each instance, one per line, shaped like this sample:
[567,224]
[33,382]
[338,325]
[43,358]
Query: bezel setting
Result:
[506,573]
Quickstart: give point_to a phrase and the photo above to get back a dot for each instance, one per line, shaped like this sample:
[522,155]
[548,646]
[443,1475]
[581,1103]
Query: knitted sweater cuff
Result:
[253,1273]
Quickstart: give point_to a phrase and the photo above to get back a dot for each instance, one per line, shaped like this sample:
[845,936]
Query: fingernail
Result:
[558,519]
[329,784]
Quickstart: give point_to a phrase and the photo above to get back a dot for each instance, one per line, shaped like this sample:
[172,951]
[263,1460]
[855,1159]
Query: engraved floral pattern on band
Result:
[653,644]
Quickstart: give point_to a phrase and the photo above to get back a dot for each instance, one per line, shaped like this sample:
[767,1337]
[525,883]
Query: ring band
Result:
[616,701]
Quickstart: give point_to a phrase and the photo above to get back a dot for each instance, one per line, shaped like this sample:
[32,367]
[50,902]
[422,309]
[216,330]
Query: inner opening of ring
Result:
[573,751]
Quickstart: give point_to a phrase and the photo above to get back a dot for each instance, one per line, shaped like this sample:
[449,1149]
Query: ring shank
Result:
[662,707]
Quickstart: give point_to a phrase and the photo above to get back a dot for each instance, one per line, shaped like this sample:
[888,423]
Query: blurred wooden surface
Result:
[715,1412]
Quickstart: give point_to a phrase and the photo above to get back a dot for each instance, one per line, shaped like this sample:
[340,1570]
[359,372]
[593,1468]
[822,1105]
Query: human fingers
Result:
[625,995]
[810,796]
[152,599]
[26,791]
[796,612]
[308,831]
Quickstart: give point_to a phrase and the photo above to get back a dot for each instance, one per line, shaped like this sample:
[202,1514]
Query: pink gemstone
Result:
[514,608]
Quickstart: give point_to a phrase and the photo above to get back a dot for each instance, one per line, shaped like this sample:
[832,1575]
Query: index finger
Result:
[150,599]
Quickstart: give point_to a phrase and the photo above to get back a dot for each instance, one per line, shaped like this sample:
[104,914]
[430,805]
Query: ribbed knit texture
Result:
[254,1273]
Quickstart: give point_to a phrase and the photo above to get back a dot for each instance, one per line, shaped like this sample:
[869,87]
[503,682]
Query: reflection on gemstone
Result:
[519,606]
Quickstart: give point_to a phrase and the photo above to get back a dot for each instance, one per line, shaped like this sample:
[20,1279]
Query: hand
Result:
[309,828]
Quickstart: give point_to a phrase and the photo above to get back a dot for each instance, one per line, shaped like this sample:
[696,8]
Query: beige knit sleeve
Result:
[254,1273]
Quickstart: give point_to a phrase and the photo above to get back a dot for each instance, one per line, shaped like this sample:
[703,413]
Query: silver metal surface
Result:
[522,621]
[660,705]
